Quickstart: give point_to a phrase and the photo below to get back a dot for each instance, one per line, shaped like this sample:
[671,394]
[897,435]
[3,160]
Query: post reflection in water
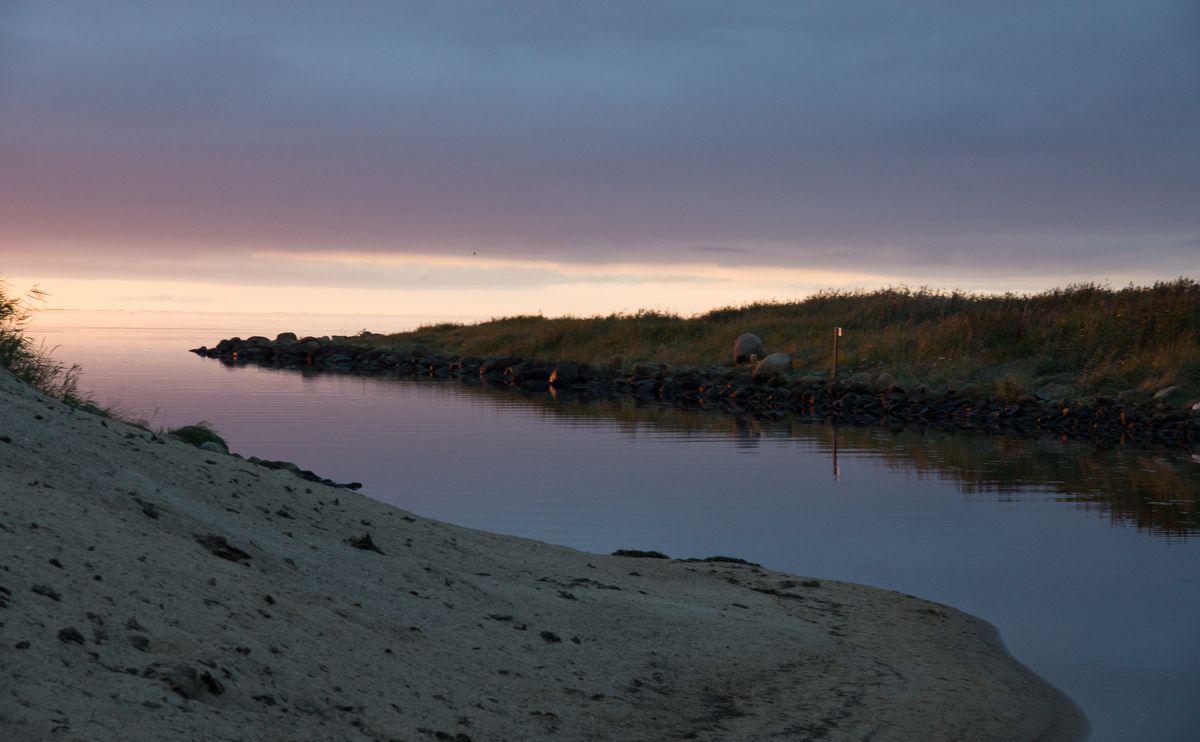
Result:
[1154,490]
[836,471]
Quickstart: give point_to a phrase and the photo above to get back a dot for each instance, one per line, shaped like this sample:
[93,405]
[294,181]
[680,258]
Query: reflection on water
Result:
[1154,490]
[1087,561]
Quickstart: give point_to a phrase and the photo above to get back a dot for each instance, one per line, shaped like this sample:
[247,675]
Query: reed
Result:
[31,363]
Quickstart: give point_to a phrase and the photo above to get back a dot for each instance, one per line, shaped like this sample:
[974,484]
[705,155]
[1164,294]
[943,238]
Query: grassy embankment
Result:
[1084,339]
[34,365]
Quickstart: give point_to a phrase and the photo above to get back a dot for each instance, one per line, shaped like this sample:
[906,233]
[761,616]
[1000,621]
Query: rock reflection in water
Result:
[1154,490]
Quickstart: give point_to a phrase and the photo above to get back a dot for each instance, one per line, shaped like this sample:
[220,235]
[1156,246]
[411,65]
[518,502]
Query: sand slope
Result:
[150,590]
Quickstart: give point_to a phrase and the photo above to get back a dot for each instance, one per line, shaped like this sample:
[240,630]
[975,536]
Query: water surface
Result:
[1087,561]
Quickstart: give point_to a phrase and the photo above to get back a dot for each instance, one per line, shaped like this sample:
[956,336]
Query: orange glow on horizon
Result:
[462,288]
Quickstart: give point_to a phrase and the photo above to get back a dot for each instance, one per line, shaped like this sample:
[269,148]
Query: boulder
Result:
[530,372]
[498,364]
[885,381]
[746,345]
[286,338]
[644,370]
[1166,393]
[565,373]
[860,383]
[1053,390]
[774,365]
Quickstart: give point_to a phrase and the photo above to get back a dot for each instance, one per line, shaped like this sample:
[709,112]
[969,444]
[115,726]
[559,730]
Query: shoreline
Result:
[155,589]
[1161,419]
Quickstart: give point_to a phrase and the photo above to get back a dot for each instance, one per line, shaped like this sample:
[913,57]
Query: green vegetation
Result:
[1085,339]
[199,434]
[33,364]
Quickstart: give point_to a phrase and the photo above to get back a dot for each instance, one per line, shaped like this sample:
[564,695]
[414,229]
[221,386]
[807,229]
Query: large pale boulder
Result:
[776,364]
[746,345]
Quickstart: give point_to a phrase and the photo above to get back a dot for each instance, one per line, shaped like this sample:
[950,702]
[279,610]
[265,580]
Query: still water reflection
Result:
[1088,561]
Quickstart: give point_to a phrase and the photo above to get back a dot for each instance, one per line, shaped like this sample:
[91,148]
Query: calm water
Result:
[1088,562]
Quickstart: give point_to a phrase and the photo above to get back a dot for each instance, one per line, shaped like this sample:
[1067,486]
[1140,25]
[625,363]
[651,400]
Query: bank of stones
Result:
[861,399]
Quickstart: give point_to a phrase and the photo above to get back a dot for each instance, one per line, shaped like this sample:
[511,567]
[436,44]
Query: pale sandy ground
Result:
[116,623]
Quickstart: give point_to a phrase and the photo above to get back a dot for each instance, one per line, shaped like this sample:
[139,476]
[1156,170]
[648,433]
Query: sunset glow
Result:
[602,158]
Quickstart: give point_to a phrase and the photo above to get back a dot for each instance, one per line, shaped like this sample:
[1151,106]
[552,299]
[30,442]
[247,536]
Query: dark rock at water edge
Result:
[304,474]
[860,398]
[640,554]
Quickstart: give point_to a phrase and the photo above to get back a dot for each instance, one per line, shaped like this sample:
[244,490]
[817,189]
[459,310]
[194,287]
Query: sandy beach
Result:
[151,590]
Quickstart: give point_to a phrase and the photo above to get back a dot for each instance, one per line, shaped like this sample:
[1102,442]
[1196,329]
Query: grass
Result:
[1085,338]
[34,364]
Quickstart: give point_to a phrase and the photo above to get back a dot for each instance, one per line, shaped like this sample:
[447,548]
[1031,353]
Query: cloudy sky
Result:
[502,157]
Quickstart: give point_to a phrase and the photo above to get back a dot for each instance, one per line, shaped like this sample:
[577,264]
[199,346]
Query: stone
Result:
[1166,393]
[1053,391]
[564,373]
[886,382]
[186,680]
[212,446]
[498,364]
[70,635]
[746,345]
[644,370]
[530,372]
[47,591]
[364,542]
[286,337]
[774,365]
[859,382]
[218,546]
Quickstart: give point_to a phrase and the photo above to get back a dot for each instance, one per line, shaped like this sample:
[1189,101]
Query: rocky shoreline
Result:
[1159,419]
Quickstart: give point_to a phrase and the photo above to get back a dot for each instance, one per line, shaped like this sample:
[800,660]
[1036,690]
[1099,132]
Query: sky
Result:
[496,158]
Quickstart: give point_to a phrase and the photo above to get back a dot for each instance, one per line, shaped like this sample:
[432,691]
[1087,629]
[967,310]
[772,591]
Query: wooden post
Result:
[837,333]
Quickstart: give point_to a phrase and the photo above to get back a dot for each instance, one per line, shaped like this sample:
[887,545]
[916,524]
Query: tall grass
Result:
[31,363]
[1090,338]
